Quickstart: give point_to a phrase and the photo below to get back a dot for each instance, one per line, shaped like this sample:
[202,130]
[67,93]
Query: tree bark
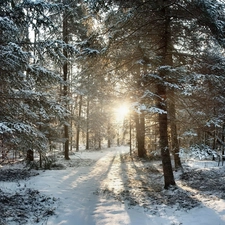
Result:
[87,128]
[65,87]
[109,133]
[99,141]
[78,124]
[223,138]
[173,131]
[30,155]
[140,134]
[166,60]
[130,133]
[163,135]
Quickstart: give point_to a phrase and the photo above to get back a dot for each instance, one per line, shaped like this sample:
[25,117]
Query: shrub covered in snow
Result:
[202,151]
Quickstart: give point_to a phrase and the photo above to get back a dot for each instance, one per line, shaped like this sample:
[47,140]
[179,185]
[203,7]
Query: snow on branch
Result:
[4,128]
[216,122]
[8,28]
[142,107]
[89,51]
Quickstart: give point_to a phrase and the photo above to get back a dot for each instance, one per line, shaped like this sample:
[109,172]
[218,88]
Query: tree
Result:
[65,78]
[29,107]
[140,133]
[204,101]
[173,129]
[79,122]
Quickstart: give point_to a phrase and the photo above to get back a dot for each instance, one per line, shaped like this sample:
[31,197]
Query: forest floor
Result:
[109,187]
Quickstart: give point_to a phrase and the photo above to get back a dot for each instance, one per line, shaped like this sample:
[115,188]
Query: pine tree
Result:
[29,107]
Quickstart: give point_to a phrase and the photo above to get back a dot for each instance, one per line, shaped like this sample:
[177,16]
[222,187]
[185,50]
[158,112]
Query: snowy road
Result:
[84,199]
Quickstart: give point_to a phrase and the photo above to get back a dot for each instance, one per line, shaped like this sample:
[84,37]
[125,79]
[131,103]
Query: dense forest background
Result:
[146,73]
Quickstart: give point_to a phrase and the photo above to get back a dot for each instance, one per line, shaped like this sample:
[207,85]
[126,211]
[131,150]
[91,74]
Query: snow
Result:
[93,189]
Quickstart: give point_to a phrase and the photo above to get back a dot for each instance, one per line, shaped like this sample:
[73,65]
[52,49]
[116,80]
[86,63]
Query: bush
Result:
[202,152]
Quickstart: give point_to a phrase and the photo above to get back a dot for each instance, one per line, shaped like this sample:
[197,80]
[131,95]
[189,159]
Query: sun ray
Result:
[121,112]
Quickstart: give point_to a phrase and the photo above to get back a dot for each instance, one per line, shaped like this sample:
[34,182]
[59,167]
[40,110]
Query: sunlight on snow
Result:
[68,176]
[113,180]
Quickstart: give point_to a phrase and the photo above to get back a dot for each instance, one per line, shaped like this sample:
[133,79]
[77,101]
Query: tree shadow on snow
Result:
[143,182]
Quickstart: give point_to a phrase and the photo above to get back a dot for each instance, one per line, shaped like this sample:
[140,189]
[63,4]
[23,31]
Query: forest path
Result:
[84,191]
[108,187]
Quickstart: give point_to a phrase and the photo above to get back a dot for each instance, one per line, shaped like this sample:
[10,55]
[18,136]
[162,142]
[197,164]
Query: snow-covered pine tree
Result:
[29,108]
[203,96]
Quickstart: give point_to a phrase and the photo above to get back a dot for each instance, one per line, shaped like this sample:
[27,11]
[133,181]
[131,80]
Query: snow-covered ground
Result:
[108,188]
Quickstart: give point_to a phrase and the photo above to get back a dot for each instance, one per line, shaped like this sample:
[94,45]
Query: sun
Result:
[121,112]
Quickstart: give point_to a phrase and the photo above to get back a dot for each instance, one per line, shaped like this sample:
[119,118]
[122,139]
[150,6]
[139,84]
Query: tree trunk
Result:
[140,134]
[87,128]
[165,154]
[214,136]
[78,124]
[130,133]
[109,133]
[65,87]
[173,131]
[30,155]
[40,159]
[223,139]
[99,142]
[166,56]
